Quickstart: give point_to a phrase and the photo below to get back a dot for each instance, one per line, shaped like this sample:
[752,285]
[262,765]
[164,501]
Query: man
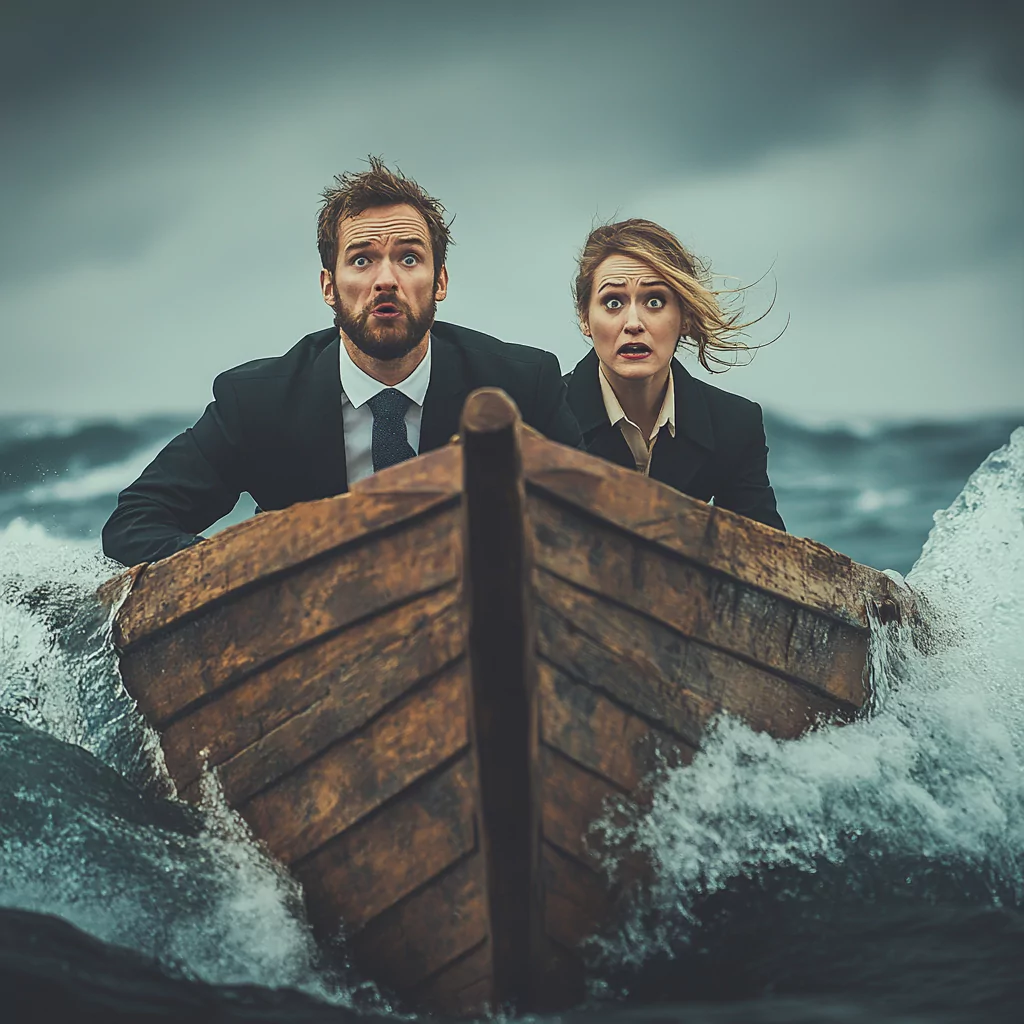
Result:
[385,383]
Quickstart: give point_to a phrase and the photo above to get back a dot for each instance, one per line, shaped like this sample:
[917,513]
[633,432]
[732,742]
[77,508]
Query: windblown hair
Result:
[352,193]
[709,328]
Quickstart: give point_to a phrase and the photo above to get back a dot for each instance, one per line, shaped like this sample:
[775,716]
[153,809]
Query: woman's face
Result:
[635,319]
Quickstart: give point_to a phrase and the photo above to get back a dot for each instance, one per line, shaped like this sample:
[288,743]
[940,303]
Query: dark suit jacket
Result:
[718,451]
[275,430]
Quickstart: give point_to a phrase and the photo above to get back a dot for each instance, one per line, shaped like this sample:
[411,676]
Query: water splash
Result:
[86,831]
[932,782]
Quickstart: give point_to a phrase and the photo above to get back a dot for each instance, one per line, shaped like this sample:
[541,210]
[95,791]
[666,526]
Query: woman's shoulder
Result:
[717,399]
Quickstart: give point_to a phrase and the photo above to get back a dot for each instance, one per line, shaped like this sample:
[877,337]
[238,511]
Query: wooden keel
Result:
[496,586]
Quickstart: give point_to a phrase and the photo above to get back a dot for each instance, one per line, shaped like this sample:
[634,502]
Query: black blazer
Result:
[718,451]
[274,429]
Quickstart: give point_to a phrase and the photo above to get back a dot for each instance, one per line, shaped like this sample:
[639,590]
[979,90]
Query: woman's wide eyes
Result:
[655,302]
[613,303]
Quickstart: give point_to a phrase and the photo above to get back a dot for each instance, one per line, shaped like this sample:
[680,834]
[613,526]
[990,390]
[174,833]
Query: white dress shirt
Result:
[641,447]
[357,388]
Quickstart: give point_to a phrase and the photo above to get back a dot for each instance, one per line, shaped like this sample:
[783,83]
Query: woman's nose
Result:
[633,322]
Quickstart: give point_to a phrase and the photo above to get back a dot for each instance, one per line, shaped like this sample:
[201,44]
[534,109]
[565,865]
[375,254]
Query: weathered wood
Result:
[662,676]
[573,799]
[215,650]
[365,870]
[585,725]
[462,987]
[798,569]
[501,683]
[779,635]
[423,694]
[297,707]
[316,801]
[198,577]
[577,902]
[430,929]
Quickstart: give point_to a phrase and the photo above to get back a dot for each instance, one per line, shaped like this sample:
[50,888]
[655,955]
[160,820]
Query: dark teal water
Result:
[869,873]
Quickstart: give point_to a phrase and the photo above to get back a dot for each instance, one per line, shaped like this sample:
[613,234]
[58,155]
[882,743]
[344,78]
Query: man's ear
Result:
[441,287]
[327,287]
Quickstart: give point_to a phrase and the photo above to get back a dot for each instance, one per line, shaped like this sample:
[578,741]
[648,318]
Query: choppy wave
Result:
[86,831]
[866,489]
[921,804]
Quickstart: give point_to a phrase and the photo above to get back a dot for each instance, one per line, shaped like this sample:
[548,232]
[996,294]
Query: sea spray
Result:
[86,832]
[926,795]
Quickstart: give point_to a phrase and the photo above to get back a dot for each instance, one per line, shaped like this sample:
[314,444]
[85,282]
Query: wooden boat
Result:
[421,693]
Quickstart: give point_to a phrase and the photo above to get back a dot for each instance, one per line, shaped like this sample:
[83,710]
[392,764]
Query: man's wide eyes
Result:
[360,261]
[410,260]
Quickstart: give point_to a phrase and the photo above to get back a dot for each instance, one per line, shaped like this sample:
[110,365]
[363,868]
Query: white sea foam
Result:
[936,774]
[213,906]
[94,483]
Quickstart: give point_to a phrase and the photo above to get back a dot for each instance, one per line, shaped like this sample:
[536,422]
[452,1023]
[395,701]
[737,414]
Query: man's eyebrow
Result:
[411,240]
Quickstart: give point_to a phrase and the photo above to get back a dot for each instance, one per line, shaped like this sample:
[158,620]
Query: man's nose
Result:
[386,280]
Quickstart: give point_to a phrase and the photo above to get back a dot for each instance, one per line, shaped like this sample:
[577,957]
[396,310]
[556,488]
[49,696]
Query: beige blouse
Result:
[640,446]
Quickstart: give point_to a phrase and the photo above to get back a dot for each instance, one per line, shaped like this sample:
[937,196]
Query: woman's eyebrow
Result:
[611,284]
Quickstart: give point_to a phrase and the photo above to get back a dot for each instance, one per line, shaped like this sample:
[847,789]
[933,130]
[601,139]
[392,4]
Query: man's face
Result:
[383,290]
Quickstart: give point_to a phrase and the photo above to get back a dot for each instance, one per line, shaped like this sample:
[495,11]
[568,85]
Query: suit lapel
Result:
[587,405]
[676,460]
[446,393]
[319,424]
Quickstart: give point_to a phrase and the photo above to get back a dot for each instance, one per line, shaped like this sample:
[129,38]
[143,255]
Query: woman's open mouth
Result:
[634,350]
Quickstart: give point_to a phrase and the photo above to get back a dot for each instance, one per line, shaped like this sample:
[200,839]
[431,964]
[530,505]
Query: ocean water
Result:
[873,872]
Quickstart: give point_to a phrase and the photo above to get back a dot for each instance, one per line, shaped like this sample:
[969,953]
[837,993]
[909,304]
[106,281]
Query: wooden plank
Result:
[375,863]
[778,635]
[588,727]
[464,987]
[325,796]
[422,934]
[298,706]
[578,903]
[662,676]
[275,542]
[795,568]
[571,800]
[232,639]
[502,671]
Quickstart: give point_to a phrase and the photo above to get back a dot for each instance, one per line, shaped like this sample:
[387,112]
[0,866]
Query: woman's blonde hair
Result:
[709,328]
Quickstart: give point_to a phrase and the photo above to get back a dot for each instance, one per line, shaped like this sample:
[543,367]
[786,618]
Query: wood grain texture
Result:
[365,870]
[663,677]
[800,570]
[578,903]
[779,635]
[321,798]
[219,648]
[572,799]
[584,724]
[274,542]
[294,708]
[463,987]
[419,936]
[502,682]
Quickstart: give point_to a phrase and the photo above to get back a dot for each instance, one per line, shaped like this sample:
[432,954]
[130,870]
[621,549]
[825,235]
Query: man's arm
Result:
[554,418]
[747,489]
[186,488]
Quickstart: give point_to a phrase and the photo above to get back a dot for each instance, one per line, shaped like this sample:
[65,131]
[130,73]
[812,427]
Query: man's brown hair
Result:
[709,328]
[352,193]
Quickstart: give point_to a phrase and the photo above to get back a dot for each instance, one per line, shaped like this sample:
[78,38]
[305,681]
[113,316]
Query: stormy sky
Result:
[162,166]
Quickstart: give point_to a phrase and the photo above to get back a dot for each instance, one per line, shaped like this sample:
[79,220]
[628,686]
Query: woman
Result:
[639,297]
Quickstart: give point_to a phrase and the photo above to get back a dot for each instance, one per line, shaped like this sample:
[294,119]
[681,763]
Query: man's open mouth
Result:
[634,350]
[386,311]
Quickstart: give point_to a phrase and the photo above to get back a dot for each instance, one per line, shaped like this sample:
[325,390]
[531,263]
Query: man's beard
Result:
[385,341]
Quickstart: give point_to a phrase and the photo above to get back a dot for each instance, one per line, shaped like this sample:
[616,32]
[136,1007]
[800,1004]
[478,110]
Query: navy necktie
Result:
[390,439]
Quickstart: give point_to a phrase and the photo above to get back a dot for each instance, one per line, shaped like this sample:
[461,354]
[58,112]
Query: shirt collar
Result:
[612,406]
[359,387]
